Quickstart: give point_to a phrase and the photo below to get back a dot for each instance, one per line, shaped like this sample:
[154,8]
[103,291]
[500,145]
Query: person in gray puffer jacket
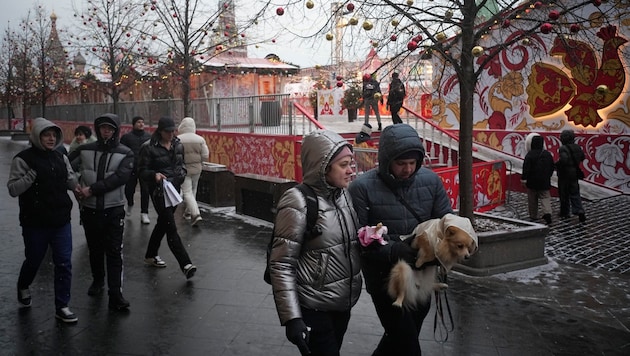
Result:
[105,167]
[376,195]
[316,279]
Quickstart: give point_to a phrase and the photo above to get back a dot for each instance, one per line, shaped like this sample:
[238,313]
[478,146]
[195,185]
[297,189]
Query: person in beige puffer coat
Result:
[195,153]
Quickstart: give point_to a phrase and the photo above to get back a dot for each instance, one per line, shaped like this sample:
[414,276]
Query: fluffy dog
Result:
[446,241]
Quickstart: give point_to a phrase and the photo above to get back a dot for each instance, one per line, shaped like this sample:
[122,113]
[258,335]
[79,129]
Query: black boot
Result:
[117,302]
[547,218]
[380,127]
[96,288]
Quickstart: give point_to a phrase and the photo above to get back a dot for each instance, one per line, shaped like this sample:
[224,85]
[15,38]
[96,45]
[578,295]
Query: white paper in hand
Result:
[171,195]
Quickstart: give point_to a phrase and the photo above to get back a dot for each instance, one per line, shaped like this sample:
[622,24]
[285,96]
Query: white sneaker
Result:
[144,217]
[128,210]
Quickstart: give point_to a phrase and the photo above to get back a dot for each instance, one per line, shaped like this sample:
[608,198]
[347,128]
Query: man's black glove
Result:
[402,250]
[297,333]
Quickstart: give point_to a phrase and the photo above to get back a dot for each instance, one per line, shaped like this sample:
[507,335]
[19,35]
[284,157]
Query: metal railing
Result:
[262,114]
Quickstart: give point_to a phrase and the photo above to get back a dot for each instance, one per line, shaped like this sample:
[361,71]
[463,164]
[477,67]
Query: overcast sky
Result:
[287,50]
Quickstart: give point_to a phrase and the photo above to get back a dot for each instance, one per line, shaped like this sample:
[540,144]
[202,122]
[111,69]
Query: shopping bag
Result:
[171,195]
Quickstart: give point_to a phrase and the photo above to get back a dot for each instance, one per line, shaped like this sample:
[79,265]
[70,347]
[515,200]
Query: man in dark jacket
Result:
[376,197]
[395,97]
[105,169]
[371,96]
[567,166]
[134,139]
[41,177]
[538,168]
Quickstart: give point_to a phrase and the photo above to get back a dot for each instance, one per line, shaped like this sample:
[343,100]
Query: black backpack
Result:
[311,219]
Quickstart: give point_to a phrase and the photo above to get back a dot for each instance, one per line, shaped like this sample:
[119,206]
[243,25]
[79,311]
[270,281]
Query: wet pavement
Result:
[577,304]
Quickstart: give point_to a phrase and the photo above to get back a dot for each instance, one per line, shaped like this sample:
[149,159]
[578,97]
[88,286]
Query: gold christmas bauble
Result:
[309,4]
[353,21]
[367,25]
[329,36]
[477,51]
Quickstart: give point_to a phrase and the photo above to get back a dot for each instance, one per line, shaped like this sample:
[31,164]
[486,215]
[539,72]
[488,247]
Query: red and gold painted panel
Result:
[270,155]
[489,188]
[607,159]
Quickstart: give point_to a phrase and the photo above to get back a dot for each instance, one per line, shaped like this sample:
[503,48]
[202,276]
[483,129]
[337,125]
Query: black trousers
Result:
[130,190]
[166,226]
[104,234]
[394,109]
[402,327]
[327,330]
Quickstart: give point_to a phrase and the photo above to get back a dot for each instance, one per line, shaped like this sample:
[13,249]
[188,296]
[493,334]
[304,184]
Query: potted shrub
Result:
[352,100]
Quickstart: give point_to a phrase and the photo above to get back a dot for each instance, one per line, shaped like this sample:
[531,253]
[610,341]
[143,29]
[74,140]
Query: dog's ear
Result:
[449,232]
[419,240]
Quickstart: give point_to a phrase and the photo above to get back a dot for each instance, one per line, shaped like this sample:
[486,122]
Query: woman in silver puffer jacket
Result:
[316,279]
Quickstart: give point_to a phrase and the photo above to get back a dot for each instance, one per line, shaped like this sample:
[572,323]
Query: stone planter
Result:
[513,245]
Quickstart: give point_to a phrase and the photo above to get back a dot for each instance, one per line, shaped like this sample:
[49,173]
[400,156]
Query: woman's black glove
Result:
[297,333]
[402,250]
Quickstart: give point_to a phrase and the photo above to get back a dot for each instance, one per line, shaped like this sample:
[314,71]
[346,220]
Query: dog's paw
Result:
[397,304]
[440,286]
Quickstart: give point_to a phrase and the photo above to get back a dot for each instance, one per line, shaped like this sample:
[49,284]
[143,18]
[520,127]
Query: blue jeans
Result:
[36,241]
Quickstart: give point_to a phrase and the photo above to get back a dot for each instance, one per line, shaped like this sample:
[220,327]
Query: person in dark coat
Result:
[105,167]
[376,197]
[567,167]
[134,140]
[371,98]
[41,177]
[162,158]
[395,97]
[538,167]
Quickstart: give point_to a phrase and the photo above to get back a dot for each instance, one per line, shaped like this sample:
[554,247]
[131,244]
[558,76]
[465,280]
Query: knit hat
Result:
[166,124]
[345,151]
[413,154]
[135,119]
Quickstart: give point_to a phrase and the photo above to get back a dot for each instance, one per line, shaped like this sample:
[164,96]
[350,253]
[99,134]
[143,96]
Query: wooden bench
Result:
[258,195]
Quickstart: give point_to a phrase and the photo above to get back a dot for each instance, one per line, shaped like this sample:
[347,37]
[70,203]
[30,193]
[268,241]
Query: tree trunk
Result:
[467,82]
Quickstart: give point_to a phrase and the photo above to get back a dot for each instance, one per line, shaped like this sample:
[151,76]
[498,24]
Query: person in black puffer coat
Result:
[567,167]
[538,167]
[162,158]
